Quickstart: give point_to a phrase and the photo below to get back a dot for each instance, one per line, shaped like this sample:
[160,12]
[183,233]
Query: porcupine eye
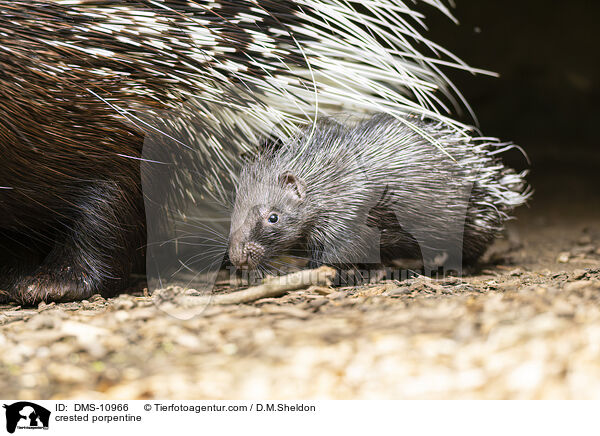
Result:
[273,218]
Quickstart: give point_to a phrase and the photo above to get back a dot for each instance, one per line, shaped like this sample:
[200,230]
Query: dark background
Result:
[548,56]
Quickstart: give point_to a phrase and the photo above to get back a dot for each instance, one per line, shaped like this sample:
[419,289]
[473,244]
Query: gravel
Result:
[526,324]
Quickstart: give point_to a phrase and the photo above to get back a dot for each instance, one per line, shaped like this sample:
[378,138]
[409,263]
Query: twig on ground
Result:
[278,286]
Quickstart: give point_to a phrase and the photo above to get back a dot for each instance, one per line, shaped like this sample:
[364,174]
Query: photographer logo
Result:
[24,415]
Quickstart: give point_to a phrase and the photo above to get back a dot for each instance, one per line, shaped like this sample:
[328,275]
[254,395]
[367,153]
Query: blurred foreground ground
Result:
[526,325]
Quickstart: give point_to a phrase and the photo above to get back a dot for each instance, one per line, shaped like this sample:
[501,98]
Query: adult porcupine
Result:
[339,193]
[76,76]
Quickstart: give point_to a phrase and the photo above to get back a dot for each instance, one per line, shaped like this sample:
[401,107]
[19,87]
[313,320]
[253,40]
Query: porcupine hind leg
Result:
[94,252]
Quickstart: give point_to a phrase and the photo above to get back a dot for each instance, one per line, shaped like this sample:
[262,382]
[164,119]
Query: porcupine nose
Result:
[249,256]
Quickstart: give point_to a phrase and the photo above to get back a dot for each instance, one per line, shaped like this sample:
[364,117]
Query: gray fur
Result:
[343,191]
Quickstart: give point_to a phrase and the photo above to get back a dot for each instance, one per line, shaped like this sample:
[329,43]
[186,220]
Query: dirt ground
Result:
[525,325]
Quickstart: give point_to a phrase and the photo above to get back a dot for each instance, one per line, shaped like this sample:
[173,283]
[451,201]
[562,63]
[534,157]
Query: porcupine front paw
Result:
[54,284]
[94,254]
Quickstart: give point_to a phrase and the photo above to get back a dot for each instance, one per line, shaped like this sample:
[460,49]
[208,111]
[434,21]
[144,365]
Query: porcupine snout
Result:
[246,254]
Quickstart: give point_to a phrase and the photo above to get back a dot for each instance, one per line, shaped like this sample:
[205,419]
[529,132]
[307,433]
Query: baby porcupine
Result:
[340,193]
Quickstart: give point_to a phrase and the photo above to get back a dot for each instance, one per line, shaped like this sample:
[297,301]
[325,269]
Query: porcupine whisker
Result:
[195,234]
[213,259]
[270,269]
[222,249]
[264,271]
[283,267]
[206,242]
[187,265]
[216,245]
[281,262]
[224,203]
[289,254]
[190,283]
[200,241]
[183,266]
[207,253]
[213,236]
[205,227]
[194,260]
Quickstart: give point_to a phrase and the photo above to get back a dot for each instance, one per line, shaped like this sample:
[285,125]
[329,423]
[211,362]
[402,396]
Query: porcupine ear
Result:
[295,185]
